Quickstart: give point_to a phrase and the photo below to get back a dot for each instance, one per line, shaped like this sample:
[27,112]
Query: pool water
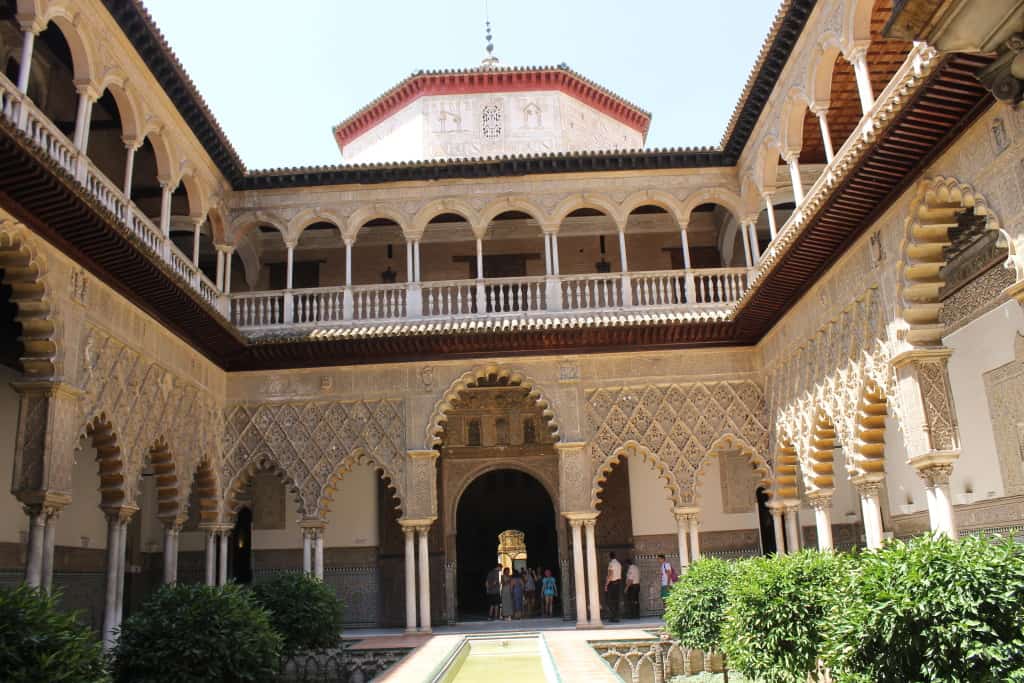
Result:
[502,660]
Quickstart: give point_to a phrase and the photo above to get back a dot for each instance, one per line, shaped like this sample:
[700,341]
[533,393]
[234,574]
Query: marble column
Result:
[592,577]
[579,576]
[211,557]
[940,506]
[423,533]
[755,248]
[682,531]
[410,579]
[780,536]
[171,532]
[826,136]
[82,120]
[822,505]
[25,65]
[318,553]
[869,491]
[122,565]
[117,527]
[36,543]
[792,513]
[793,160]
[49,543]
[166,191]
[307,552]
[694,537]
[859,59]
[129,168]
[747,255]
[773,228]
[222,573]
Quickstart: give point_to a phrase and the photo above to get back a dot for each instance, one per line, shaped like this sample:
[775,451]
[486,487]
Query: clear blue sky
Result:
[279,75]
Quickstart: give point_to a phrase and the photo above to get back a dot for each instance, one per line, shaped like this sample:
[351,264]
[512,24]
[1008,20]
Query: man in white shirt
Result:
[632,589]
[613,587]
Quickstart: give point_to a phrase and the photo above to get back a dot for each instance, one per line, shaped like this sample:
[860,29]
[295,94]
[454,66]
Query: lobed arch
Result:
[24,269]
[262,462]
[787,462]
[587,201]
[452,502]
[443,206]
[439,415]
[872,410]
[307,217]
[663,200]
[512,203]
[168,487]
[933,212]
[357,457]
[731,442]
[819,474]
[629,449]
[113,467]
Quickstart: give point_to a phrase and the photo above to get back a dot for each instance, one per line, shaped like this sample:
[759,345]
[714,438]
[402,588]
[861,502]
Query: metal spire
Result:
[490,61]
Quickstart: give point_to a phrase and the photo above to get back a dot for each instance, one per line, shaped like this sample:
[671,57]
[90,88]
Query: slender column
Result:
[792,513]
[348,263]
[170,553]
[940,507]
[49,542]
[211,557]
[826,136]
[122,562]
[110,619]
[622,251]
[773,227]
[416,260]
[595,597]
[82,117]
[694,536]
[754,246]
[25,65]
[686,246]
[869,491]
[479,258]
[424,567]
[36,542]
[410,262]
[548,270]
[318,553]
[410,579]
[746,245]
[347,300]
[859,60]
[222,572]
[220,267]
[578,573]
[307,552]
[165,208]
[554,253]
[196,225]
[682,529]
[793,160]
[129,168]
[780,536]
[228,258]
[822,505]
[290,267]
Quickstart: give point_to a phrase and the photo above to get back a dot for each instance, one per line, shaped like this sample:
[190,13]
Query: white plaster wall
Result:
[709,499]
[984,344]
[649,502]
[13,520]
[352,521]
[82,523]
[902,485]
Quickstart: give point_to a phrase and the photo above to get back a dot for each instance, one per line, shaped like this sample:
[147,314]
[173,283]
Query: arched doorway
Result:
[240,548]
[495,502]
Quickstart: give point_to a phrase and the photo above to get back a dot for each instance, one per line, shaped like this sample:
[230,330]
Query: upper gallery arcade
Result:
[806,335]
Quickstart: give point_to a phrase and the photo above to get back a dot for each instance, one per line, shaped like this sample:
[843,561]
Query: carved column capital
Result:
[867,487]
[936,475]
[121,514]
[821,500]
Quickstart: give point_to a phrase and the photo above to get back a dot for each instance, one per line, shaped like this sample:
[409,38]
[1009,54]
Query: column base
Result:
[424,631]
[411,631]
[582,625]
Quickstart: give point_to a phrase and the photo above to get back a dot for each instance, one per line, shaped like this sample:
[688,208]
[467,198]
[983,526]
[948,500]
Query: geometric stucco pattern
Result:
[310,442]
[826,378]
[676,424]
[146,405]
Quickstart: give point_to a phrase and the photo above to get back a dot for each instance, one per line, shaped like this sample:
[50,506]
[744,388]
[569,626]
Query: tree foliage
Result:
[188,632]
[932,610]
[777,610]
[695,609]
[303,610]
[38,642]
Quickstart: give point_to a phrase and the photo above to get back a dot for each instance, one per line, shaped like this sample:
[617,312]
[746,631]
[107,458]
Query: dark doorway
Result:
[494,502]
[767,525]
[240,548]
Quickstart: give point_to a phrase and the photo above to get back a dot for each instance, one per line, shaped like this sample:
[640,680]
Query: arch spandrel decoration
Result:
[629,450]
[728,443]
[147,405]
[314,441]
[679,423]
[439,415]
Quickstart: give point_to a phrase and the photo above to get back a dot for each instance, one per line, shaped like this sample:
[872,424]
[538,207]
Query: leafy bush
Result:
[303,610]
[695,609]
[777,609]
[932,610]
[188,632]
[40,643]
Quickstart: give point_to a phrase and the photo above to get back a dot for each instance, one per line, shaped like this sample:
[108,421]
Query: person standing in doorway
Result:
[507,607]
[613,587]
[668,577]
[493,587]
[531,592]
[549,590]
[632,589]
[517,595]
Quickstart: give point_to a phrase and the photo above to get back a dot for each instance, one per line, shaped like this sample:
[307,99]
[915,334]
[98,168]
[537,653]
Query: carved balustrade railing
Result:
[30,120]
[707,290]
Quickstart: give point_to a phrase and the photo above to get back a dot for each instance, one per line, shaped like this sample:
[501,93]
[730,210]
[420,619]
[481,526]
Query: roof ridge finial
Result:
[490,61]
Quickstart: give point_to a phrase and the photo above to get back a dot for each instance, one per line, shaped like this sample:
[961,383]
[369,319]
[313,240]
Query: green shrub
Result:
[303,610]
[695,608]
[932,610]
[38,642]
[777,609]
[188,632]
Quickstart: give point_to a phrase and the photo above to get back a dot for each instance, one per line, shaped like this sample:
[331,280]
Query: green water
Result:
[502,661]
